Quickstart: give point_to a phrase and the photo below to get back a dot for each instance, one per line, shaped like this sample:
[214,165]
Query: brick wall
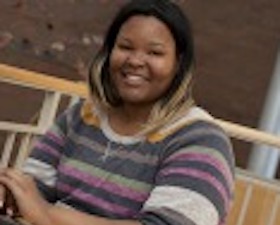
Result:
[236,44]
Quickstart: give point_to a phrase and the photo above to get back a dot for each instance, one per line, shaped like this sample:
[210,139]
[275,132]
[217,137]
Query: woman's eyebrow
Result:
[123,38]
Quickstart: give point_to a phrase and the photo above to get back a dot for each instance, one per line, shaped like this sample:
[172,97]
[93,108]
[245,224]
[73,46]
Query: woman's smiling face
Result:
[143,60]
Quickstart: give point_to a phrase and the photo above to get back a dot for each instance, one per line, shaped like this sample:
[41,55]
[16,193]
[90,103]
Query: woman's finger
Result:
[12,185]
[26,195]
[2,199]
[19,178]
[11,189]
[2,195]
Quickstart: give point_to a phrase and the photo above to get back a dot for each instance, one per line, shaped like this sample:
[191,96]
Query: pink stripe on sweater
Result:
[47,149]
[201,176]
[104,184]
[208,159]
[56,138]
[95,201]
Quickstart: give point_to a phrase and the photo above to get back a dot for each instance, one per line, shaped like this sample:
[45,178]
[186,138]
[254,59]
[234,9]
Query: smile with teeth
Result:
[134,79]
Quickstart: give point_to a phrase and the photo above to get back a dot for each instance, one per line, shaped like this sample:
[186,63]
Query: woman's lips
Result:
[134,79]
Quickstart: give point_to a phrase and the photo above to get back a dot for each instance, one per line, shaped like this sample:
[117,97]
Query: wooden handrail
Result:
[251,191]
[249,134]
[46,82]
[41,81]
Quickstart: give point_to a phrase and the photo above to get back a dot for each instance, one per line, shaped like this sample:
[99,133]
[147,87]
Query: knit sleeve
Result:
[46,154]
[194,185]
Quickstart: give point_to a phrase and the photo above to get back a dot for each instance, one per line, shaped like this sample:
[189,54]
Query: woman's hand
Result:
[32,207]
[2,199]
[35,210]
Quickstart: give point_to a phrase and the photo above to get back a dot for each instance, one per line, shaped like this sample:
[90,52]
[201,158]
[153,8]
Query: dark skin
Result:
[142,67]
[27,196]
[126,122]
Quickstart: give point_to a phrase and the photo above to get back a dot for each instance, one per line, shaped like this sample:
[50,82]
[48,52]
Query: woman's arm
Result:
[30,204]
[34,209]
[194,184]
[69,216]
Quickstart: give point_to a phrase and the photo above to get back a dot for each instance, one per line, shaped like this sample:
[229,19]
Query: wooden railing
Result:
[257,201]
[53,89]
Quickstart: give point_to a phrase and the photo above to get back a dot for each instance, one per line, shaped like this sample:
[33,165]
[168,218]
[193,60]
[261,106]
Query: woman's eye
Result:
[156,53]
[124,47]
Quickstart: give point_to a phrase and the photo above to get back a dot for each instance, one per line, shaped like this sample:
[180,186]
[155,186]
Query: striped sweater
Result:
[182,174]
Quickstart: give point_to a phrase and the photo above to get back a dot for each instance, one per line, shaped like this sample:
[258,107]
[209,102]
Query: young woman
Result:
[138,151]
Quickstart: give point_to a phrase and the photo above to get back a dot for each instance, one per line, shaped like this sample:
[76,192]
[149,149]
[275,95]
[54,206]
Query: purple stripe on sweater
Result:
[104,184]
[55,138]
[201,176]
[95,201]
[47,149]
[200,157]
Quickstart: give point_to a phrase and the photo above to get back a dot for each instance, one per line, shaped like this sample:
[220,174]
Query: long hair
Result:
[178,98]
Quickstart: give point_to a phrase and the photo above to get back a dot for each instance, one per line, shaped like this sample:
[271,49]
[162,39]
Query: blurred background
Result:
[237,44]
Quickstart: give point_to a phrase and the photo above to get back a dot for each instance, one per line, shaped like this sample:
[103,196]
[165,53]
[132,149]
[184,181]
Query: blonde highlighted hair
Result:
[178,98]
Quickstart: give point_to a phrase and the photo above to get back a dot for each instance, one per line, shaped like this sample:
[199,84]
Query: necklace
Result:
[115,141]
[107,152]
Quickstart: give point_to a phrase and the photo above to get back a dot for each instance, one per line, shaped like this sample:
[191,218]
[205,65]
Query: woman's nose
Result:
[136,59]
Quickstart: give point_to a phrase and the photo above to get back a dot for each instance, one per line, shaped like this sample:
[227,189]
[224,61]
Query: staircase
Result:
[257,200]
